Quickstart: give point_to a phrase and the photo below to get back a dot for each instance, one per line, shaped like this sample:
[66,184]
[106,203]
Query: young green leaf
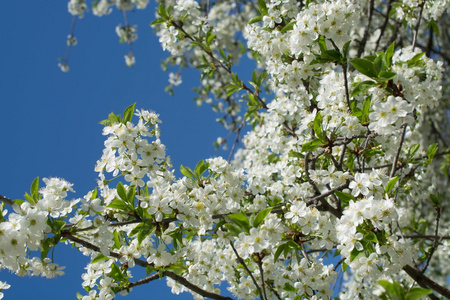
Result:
[364,66]
[317,125]
[34,190]
[121,191]
[417,293]
[186,171]
[344,197]
[255,20]
[385,76]
[388,55]
[128,113]
[431,151]
[201,167]
[362,87]
[391,184]
[240,220]
[261,216]
[311,146]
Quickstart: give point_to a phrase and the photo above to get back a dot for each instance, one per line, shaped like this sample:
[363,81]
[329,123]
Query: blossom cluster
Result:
[339,160]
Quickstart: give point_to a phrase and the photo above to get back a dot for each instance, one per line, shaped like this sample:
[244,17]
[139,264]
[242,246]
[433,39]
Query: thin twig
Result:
[236,140]
[363,42]
[394,163]
[261,272]
[436,241]
[242,262]
[416,31]
[428,237]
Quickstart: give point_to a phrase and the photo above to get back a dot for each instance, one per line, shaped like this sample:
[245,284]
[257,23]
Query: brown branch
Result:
[68,235]
[363,42]
[394,163]
[261,272]
[143,281]
[416,31]
[428,237]
[242,262]
[236,140]
[384,26]
[183,281]
[219,63]
[436,241]
[426,282]
[7,201]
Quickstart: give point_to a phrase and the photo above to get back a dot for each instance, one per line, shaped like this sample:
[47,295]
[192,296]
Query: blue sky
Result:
[49,119]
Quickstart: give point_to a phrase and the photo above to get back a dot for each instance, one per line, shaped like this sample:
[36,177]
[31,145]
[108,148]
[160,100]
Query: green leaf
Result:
[131,192]
[34,189]
[377,64]
[417,293]
[29,198]
[57,226]
[145,231]
[388,55]
[209,39]
[116,240]
[370,236]
[262,7]
[363,87]
[355,253]
[385,76]
[311,146]
[113,118]
[240,220]
[121,191]
[344,197]
[317,125]
[431,151]
[280,250]
[435,200]
[394,290]
[366,109]
[412,151]
[198,44]
[98,258]
[231,88]
[106,122]
[416,60]
[255,20]
[261,216]
[201,167]
[351,162]
[344,266]
[128,113]
[234,230]
[186,171]
[289,26]
[391,184]
[120,205]
[158,21]
[364,66]
[289,288]
[434,26]
[345,50]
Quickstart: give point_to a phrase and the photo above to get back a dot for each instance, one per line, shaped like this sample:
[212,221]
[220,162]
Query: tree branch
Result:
[7,201]
[242,262]
[394,163]
[425,282]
